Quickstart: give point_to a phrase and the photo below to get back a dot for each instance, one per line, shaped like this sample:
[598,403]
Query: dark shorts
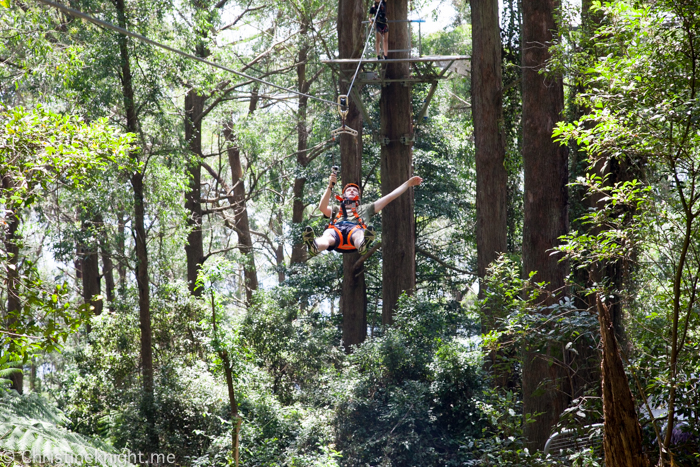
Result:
[382,28]
[345,228]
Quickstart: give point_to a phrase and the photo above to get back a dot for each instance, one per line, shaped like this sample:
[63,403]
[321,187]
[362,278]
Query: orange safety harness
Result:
[346,245]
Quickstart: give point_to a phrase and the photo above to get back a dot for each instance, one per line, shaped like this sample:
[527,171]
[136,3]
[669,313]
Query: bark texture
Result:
[140,236]
[545,210]
[398,222]
[194,248]
[487,108]
[353,299]
[491,174]
[303,85]
[240,214]
[622,435]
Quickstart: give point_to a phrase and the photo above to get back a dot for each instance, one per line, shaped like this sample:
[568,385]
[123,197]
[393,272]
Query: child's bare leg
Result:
[377,42]
[326,240]
[385,41]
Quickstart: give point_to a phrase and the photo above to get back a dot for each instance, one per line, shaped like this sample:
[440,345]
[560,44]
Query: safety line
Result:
[107,25]
[372,27]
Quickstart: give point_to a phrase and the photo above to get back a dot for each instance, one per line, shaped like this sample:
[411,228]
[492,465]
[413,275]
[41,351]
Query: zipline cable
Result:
[107,25]
[364,49]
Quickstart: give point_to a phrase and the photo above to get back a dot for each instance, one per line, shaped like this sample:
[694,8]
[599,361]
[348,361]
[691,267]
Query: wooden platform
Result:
[426,69]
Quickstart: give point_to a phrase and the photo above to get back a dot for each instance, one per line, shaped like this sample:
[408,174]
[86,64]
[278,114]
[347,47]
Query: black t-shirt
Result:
[381,17]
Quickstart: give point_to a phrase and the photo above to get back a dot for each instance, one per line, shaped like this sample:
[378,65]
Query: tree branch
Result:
[366,256]
[439,261]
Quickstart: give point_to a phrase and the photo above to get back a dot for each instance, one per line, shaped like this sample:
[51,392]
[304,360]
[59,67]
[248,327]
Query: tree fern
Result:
[29,425]
[7,369]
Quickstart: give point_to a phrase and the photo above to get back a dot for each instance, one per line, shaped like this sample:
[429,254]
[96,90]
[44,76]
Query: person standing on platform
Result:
[378,10]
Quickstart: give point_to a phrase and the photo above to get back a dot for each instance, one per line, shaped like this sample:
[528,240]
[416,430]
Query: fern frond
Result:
[28,423]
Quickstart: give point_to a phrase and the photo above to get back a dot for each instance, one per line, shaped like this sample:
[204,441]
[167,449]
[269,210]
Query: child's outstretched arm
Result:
[323,204]
[384,200]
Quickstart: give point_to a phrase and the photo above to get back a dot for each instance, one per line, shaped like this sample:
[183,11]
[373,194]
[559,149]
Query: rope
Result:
[364,49]
[107,25]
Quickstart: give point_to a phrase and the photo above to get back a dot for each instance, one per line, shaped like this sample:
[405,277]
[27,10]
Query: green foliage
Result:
[293,345]
[409,398]
[39,150]
[644,115]
[7,369]
[33,429]
[519,318]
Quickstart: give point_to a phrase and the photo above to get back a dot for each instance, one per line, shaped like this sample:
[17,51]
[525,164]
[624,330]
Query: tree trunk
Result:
[353,299]
[298,249]
[12,274]
[545,210]
[107,266]
[235,419]
[398,222]
[139,227]
[90,268]
[491,175]
[121,250]
[622,435]
[194,248]
[240,213]
[143,284]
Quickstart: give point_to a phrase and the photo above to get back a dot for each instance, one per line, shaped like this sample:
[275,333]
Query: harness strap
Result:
[342,213]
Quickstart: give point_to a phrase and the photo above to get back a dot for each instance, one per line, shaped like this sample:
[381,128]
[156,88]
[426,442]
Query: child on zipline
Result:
[347,231]
[381,27]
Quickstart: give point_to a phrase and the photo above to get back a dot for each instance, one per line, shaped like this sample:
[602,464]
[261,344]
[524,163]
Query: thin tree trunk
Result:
[121,249]
[240,213]
[107,265]
[622,435]
[353,298]
[545,211]
[398,222]
[235,419]
[90,268]
[12,274]
[228,372]
[194,248]
[139,227]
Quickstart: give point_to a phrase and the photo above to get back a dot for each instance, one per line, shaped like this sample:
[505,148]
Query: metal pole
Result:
[420,43]
[410,40]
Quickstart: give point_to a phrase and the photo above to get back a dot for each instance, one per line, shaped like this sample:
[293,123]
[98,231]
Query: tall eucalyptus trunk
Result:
[303,85]
[194,248]
[487,109]
[398,222]
[545,212]
[353,298]
[140,237]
